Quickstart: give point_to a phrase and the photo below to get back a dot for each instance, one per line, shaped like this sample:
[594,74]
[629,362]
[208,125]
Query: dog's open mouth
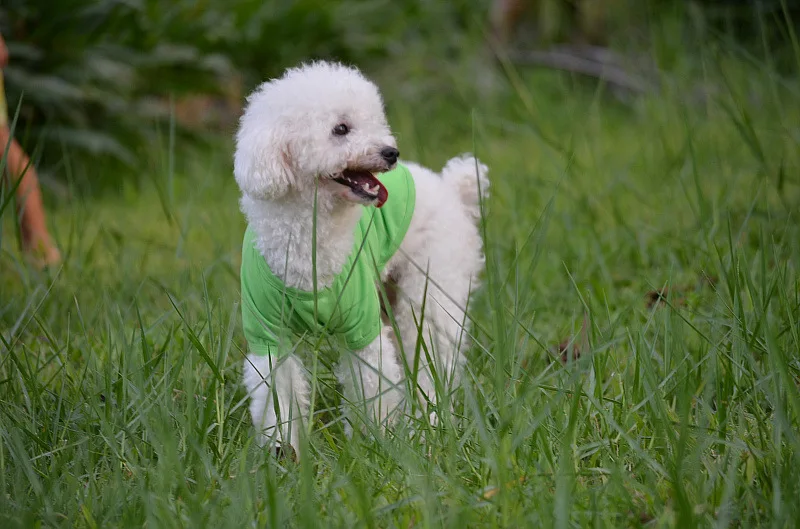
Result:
[364,185]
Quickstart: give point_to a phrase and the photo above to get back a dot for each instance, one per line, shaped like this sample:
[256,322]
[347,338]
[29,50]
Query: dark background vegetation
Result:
[100,80]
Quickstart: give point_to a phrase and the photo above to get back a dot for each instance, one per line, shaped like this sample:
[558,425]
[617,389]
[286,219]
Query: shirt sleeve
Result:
[261,309]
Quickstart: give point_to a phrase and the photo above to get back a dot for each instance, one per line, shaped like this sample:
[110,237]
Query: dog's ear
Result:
[262,164]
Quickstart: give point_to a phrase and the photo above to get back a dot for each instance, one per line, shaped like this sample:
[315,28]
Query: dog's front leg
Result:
[279,395]
[371,379]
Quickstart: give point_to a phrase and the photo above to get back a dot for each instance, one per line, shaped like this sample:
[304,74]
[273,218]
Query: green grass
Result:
[120,402]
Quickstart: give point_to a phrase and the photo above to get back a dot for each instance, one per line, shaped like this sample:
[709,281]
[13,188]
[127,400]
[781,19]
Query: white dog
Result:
[307,151]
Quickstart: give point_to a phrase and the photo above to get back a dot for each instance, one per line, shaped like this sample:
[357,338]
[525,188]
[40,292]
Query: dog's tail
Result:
[470,179]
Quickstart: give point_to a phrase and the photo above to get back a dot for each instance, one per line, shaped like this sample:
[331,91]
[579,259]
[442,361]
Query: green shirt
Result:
[274,316]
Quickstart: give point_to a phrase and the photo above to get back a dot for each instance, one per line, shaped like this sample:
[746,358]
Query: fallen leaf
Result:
[492,491]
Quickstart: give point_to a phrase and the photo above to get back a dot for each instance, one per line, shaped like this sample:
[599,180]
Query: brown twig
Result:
[599,63]
[570,349]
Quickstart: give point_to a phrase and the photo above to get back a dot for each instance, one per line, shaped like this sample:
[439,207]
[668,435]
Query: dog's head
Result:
[320,123]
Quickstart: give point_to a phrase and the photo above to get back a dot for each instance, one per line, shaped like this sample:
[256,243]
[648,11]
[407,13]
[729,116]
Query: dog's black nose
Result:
[390,154]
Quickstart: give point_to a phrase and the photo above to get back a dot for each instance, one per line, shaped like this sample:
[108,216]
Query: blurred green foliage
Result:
[86,72]
[95,78]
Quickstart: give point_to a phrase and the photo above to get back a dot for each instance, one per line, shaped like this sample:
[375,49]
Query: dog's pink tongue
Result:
[358,180]
[383,194]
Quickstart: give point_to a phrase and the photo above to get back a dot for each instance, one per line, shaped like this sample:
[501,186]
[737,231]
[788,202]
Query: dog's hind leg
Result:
[279,396]
[433,337]
[436,270]
[372,379]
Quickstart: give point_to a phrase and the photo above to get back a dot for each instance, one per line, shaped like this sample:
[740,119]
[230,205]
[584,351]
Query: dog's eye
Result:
[341,129]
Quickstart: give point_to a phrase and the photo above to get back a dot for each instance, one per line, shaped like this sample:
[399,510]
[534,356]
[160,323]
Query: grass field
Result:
[120,402]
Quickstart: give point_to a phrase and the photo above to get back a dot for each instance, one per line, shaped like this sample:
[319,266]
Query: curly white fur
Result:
[286,156]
